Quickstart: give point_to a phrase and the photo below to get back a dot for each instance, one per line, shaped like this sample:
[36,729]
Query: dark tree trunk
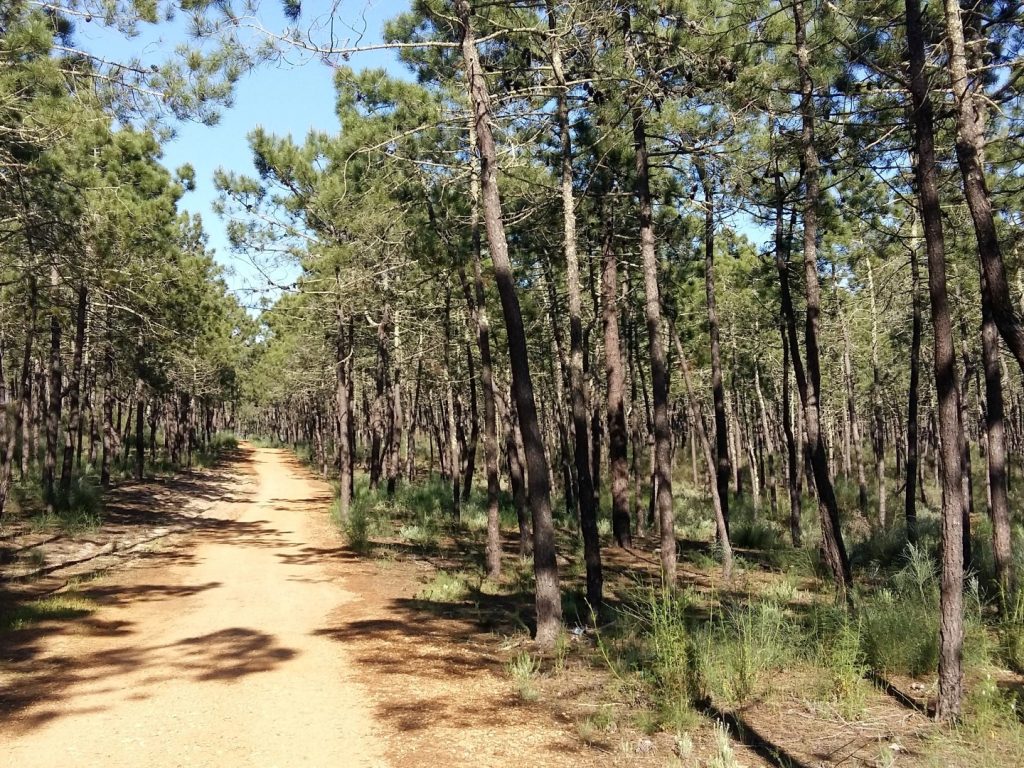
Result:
[517,481]
[831,534]
[577,386]
[616,382]
[342,401]
[26,410]
[951,628]
[394,467]
[723,467]
[74,393]
[54,398]
[970,155]
[995,428]
[711,462]
[140,430]
[548,595]
[913,395]
[662,459]
[108,419]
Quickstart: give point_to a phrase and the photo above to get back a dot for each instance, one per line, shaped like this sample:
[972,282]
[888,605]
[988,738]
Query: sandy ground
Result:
[259,640]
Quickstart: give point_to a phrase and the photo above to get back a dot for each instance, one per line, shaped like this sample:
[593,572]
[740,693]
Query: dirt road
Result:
[258,640]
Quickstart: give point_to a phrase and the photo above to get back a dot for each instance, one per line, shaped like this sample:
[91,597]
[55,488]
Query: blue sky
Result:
[283,100]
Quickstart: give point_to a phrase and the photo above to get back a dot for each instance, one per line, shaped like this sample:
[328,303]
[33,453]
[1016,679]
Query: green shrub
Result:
[524,669]
[445,587]
[899,636]
[738,655]
[79,509]
[755,534]
[1011,633]
[842,659]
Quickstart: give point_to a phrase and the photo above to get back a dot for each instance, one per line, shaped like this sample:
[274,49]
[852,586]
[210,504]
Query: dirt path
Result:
[258,640]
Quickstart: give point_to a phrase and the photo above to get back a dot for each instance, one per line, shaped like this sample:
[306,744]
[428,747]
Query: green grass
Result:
[445,587]
[524,670]
[63,606]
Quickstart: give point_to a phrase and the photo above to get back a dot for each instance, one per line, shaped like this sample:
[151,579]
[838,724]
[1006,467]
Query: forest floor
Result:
[255,638]
[221,617]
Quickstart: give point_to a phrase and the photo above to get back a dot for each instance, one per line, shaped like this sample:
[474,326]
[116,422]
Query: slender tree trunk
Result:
[517,480]
[999,505]
[342,402]
[616,382]
[712,465]
[26,420]
[851,417]
[970,155]
[477,302]
[577,385]
[831,535]
[951,628]
[54,399]
[74,391]
[913,395]
[395,431]
[474,427]
[662,459]
[723,466]
[413,417]
[878,420]
[449,410]
[108,417]
[548,595]
[140,429]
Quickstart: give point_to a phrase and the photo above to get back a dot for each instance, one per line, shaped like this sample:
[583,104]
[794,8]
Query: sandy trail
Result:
[210,655]
[259,640]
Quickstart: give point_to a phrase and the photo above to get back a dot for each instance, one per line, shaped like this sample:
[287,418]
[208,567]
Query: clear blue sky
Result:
[283,100]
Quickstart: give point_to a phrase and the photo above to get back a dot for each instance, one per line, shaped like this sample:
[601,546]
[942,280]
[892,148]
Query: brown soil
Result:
[257,639]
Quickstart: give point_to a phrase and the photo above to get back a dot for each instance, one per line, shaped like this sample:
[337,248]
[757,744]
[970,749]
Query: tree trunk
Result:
[951,628]
[577,386]
[712,465]
[342,402]
[723,466]
[74,391]
[877,418]
[395,427]
[26,420]
[548,595]
[662,459]
[970,155]
[54,398]
[831,535]
[913,394]
[999,505]
[616,382]
[140,429]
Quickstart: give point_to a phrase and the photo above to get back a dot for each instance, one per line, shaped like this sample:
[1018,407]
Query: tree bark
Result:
[548,595]
[477,301]
[342,403]
[951,628]
[913,393]
[616,383]
[831,534]
[74,391]
[578,393]
[723,467]
[996,457]
[712,465]
[662,459]
[54,398]
[970,155]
